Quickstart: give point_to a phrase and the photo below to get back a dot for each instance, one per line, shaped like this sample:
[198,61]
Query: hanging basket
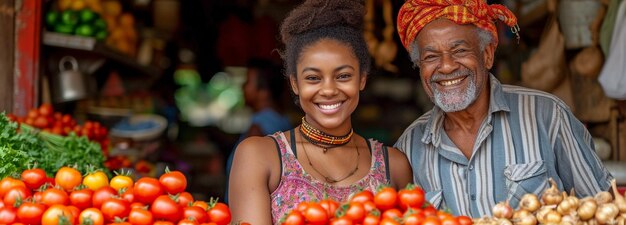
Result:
[575,18]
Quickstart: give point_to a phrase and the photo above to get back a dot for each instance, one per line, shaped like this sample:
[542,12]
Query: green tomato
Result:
[86,15]
[64,28]
[69,17]
[84,30]
[52,18]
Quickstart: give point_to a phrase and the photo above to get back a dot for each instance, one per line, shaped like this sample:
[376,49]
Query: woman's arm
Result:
[400,170]
[255,164]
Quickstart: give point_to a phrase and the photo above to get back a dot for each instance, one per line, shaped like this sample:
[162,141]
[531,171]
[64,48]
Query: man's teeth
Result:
[333,106]
[450,82]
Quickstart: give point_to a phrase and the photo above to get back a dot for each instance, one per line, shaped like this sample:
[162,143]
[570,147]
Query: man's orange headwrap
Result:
[415,14]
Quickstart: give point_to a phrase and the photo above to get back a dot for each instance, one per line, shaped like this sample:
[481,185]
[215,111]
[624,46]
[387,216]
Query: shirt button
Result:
[473,197]
[471,167]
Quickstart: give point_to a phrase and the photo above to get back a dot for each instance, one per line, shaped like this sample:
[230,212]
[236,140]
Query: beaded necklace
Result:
[321,139]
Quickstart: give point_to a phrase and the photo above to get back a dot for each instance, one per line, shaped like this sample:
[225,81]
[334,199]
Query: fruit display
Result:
[82,22]
[71,198]
[556,207]
[387,206]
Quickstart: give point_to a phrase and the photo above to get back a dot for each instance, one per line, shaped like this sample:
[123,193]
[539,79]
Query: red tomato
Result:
[101,195]
[54,196]
[82,198]
[389,221]
[91,214]
[75,212]
[414,219]
[185,199]
[371,219]
[68,178]
[386,198]
[187,222]
[137,205]
[46,109]
[465,220]
[341,221]
[450,220]
[363,196]
[30,213]
[127,194]
[7,215]
[392,214]
[165,208]
[329,205]
[430,211]
[294,218]
[114,207]
[140,216]
[201,204]
[173,182]
[431,220]
[198,214]
[220,214]
[412,197]
[369,206]
[7,183]
[162,222]
[15,193]
[356,212]
[33,178]
[302,206]
[315,214]
[147,189]
[55,213]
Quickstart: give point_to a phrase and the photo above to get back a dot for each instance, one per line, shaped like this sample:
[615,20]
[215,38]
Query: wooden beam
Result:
[27,46]
[7,28]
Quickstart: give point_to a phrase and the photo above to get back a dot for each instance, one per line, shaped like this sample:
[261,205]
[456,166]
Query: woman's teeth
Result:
[451,82]
[333,106]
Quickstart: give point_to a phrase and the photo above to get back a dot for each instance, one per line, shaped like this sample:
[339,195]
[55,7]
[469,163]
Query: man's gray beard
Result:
[468,96]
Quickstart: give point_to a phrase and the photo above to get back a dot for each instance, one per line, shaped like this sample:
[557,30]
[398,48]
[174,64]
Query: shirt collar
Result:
[497,102]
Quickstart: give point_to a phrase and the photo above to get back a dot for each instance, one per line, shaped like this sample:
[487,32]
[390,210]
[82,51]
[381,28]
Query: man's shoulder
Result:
[514,92]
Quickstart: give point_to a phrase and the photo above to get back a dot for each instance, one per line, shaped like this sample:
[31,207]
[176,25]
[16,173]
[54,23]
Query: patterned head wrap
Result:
[415,14]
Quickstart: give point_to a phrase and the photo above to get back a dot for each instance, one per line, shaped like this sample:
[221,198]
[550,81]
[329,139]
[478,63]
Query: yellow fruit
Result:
[112,8]
[78,4]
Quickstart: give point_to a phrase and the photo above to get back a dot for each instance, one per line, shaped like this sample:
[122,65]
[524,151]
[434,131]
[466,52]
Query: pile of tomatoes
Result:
[387,206]
[71,198]
[46,119]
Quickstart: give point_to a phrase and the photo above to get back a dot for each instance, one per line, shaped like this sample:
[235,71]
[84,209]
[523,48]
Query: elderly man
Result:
[485,142]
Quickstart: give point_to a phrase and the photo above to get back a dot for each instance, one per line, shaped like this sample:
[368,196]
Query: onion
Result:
[530,202]
[503,221]
[587,208]
[485,221]
[525,220]
[606,213]
[552,195]
[542,214]
[619,199]
[568,205]
[521,213]
[569,220]
[553,217]
[603,197]
[621,220]
[502,210]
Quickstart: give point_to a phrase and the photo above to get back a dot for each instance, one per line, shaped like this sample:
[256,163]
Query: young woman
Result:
[327,63]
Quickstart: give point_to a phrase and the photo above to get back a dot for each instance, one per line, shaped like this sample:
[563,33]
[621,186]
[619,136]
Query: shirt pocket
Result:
[525,178]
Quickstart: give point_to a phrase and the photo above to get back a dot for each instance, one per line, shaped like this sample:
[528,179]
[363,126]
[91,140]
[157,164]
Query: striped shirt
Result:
[527,137]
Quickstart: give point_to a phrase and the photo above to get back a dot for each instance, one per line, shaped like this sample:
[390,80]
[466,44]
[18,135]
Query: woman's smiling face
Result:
[327,83]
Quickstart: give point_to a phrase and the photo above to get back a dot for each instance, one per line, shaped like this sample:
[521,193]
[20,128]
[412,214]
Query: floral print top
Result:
[296,185]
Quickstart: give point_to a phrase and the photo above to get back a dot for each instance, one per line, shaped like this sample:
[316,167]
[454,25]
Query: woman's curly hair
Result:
[340,20]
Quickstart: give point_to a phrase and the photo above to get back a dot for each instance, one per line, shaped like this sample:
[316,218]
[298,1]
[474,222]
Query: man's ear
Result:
[489,54]
[363,81]
[293,83]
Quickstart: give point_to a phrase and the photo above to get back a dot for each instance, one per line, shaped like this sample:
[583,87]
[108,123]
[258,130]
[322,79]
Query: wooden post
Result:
[27,46]
[7,28]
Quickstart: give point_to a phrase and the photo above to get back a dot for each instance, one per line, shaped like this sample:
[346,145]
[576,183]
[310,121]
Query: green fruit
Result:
[84,30]
[69,17]
[101,35]
[52,18]
[100,24]
[63,28]
[87,16]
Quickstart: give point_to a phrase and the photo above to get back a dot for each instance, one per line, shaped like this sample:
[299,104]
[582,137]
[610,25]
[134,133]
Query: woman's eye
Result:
[343,76]
[311,78]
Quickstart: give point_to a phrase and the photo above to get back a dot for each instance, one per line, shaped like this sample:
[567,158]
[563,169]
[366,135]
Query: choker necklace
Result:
[328,179]
[321,139]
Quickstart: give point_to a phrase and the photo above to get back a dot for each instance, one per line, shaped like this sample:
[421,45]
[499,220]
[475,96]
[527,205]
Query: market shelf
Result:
[89,44]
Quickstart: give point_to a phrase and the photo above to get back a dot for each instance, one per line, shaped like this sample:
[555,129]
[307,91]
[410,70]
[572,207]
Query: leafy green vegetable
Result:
[50,151]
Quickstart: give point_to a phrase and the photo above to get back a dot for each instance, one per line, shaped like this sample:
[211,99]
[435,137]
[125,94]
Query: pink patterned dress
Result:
[297,186]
